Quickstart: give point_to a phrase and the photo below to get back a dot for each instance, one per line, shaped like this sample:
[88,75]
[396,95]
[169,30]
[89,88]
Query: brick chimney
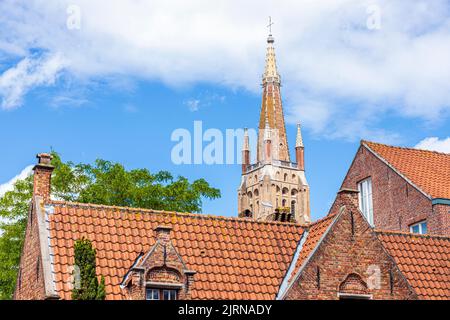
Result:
[162,233]
[42,176]
[348,196]
[345,197]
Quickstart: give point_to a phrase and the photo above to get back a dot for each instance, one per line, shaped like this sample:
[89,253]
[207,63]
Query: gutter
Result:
[441,201]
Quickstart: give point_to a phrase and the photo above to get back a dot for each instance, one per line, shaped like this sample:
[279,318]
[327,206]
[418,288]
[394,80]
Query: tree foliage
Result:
[102,182]
[86,285]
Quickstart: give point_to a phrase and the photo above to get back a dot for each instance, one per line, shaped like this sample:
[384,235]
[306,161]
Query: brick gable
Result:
[397,204]
[349,261]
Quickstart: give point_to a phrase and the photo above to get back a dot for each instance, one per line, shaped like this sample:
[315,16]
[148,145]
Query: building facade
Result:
[273,188]
[402,189]
[158,255]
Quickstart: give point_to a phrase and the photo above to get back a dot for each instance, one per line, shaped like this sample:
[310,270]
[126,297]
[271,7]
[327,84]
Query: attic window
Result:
[365,199]
[419,228]
[161,294]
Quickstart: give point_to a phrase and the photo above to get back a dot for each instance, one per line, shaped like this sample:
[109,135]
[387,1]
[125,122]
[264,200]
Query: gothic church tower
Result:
[274,188]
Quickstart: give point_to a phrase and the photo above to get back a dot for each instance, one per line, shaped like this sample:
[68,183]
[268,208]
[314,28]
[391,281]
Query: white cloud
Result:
[435,144]
[8,186]
[334,69]
[28,73]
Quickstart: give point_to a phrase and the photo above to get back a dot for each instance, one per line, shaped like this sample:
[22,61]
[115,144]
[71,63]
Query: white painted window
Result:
[420,227]
[153,294]
[161,294]
[170,294]
[365,199]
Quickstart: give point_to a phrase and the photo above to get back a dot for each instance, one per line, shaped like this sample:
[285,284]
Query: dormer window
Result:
[419,228]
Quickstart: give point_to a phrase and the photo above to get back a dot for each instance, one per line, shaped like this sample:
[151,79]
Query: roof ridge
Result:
[328,216]
[405,148]
[409,234]
[188,214]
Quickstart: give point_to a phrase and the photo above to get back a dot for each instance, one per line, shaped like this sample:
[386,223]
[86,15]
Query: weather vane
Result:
[270,25]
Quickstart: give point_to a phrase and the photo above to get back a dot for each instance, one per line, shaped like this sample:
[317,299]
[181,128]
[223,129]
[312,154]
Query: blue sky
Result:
[118,91]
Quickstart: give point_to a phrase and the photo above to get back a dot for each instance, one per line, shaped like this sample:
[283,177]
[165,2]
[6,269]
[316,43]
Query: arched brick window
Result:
[353,287]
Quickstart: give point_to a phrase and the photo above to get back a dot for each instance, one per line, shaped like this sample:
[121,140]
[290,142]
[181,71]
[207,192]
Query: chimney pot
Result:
[44,158]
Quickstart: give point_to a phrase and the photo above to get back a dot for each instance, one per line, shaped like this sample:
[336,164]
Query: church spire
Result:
[271,107]
[270,70]
[259,193]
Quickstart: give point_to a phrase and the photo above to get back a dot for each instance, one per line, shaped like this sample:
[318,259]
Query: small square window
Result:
[170,294]
[161,294]
[153,294]
[419,228]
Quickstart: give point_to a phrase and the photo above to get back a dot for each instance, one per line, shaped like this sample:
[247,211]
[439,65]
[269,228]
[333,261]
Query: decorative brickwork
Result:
[349,261]
[162,267]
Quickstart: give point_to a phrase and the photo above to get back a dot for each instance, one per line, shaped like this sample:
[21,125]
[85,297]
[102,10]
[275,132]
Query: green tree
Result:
[86,285]
[102,182]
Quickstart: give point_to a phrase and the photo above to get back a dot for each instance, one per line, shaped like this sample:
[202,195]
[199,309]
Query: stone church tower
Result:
[274,188]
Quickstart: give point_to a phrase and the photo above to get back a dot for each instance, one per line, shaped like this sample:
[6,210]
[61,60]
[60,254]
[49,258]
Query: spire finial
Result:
[270,38]
[299,139]
[246,144]
[270,72]
[270,25]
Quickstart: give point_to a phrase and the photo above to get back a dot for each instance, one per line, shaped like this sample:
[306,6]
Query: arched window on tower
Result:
[293,207]
[283,203]
[285,177]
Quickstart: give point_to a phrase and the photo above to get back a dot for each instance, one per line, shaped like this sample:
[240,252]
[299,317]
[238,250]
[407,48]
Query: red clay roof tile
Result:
[120,234]
[425,270]
[428,170]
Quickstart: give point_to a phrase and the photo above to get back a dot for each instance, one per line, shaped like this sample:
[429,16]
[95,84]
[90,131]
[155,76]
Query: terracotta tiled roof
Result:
[234,258]
[424,260]
[428,170]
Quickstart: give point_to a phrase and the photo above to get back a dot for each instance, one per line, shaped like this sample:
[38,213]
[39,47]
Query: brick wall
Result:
[350,262]
[160,267]
[30,280]
[440,220]
[396,203]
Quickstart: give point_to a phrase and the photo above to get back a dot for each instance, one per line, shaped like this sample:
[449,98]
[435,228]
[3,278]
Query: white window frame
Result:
[172,294]
[419,224]
[365,199]
[152,290]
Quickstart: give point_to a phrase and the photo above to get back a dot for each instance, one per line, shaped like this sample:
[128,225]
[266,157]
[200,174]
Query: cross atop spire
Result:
[270,25]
